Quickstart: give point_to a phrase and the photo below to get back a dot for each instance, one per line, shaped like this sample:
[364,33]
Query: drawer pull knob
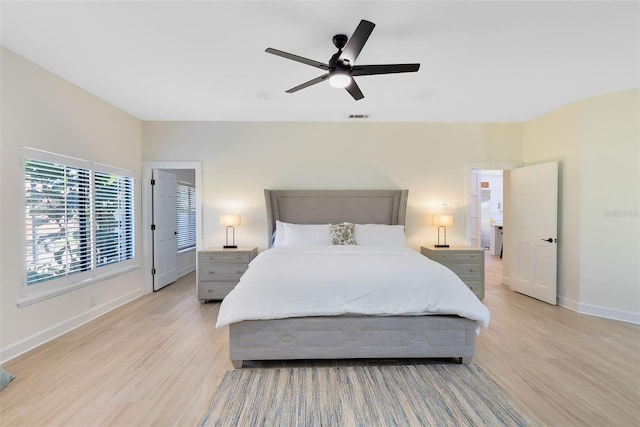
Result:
[212,272]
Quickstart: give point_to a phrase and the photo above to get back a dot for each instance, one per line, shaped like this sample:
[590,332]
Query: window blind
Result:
[186,216]
[58,211]
[113,218]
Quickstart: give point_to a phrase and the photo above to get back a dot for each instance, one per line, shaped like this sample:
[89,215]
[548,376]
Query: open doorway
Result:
[173,225]
[183,234]
[491,210]
[486,209]
[486,201]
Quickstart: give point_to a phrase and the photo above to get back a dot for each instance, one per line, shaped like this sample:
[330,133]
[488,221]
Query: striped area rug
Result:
[386,395]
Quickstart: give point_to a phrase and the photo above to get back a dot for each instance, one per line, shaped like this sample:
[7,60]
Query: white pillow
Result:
[380,234]
[278,238]
[288,234]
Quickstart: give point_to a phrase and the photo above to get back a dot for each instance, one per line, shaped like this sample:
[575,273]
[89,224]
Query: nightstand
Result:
[219,270]
[466,262]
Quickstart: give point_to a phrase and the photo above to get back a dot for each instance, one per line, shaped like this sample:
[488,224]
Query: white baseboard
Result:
[569,303]
[610,313]
[186,270]
[68,325]
[594,310]
[600,311]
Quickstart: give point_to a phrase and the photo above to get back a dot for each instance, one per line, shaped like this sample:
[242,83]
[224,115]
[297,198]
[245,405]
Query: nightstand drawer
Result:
[465,269]
[222,272]
[476,287]
[222,258]
[442,256]
[216,290]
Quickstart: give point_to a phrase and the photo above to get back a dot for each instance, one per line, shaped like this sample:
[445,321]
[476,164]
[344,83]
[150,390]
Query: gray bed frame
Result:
[347,337]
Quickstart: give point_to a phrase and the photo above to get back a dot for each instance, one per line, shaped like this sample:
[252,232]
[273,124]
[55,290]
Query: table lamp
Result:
[442,221]
[230,221]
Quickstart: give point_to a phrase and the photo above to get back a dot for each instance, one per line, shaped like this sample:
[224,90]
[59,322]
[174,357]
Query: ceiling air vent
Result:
[358,116]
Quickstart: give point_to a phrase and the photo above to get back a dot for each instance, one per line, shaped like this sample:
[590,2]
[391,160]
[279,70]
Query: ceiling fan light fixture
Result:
[340,78]
[340,67]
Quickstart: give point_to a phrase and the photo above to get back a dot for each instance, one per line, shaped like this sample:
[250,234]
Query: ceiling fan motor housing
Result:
[340,40]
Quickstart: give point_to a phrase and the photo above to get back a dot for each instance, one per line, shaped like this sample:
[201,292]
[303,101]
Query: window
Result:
[114,218]
[186,214]
[79,221]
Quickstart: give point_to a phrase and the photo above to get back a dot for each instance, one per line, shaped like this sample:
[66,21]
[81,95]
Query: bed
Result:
[352,331]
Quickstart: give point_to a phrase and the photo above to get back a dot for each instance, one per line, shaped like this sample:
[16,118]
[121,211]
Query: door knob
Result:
[550,240]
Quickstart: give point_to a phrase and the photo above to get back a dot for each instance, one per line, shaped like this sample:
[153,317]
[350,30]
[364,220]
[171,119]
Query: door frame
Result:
[146,209]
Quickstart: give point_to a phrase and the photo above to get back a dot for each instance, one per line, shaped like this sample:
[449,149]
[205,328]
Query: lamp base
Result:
[229,247]
[441,246]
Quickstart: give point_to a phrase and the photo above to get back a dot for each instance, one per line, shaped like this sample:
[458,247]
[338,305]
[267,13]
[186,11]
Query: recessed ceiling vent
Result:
[359,116]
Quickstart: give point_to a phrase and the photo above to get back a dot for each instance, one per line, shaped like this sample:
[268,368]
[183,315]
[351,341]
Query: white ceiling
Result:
[505,61]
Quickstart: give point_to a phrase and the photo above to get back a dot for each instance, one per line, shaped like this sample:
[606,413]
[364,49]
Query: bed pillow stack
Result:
[288,234]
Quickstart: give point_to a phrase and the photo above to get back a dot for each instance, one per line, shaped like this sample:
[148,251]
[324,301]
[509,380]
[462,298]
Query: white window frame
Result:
[49,288]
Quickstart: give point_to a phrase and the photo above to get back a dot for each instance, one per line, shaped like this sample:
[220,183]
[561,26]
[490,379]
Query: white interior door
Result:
[164,228]
[475,216]
[534,217]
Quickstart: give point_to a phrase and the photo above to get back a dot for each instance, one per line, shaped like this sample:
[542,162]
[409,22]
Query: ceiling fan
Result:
[341,68]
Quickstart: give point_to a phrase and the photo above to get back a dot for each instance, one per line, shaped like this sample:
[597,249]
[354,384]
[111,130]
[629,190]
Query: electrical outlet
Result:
[92,300]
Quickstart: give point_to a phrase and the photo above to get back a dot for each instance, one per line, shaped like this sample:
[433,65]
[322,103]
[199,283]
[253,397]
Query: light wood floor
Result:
[157,360]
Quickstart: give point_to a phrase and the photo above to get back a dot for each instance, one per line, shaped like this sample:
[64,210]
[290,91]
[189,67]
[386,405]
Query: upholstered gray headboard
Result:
[333,206]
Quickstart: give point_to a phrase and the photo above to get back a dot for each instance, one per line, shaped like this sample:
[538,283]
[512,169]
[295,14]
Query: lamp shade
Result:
[443,220]
[230,220]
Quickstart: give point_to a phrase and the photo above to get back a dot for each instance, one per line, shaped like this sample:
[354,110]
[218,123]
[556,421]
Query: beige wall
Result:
[42,111]
[610,204]
[241,159]
[596,141]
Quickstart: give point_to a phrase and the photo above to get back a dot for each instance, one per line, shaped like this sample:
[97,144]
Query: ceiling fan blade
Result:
[309,83]
[297,58]
[368,70]
[354,90]
[355,44]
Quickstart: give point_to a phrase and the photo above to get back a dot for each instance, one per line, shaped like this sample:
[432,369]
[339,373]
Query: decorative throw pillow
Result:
[5,378]
[342,234]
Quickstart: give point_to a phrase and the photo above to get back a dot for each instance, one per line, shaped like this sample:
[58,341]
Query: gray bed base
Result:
[353,337]
[347,337]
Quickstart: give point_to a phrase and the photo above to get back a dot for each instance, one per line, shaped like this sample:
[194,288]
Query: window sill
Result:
[41,296]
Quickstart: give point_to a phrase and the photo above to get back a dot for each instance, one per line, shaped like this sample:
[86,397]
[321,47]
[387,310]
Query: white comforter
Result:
[336,280]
